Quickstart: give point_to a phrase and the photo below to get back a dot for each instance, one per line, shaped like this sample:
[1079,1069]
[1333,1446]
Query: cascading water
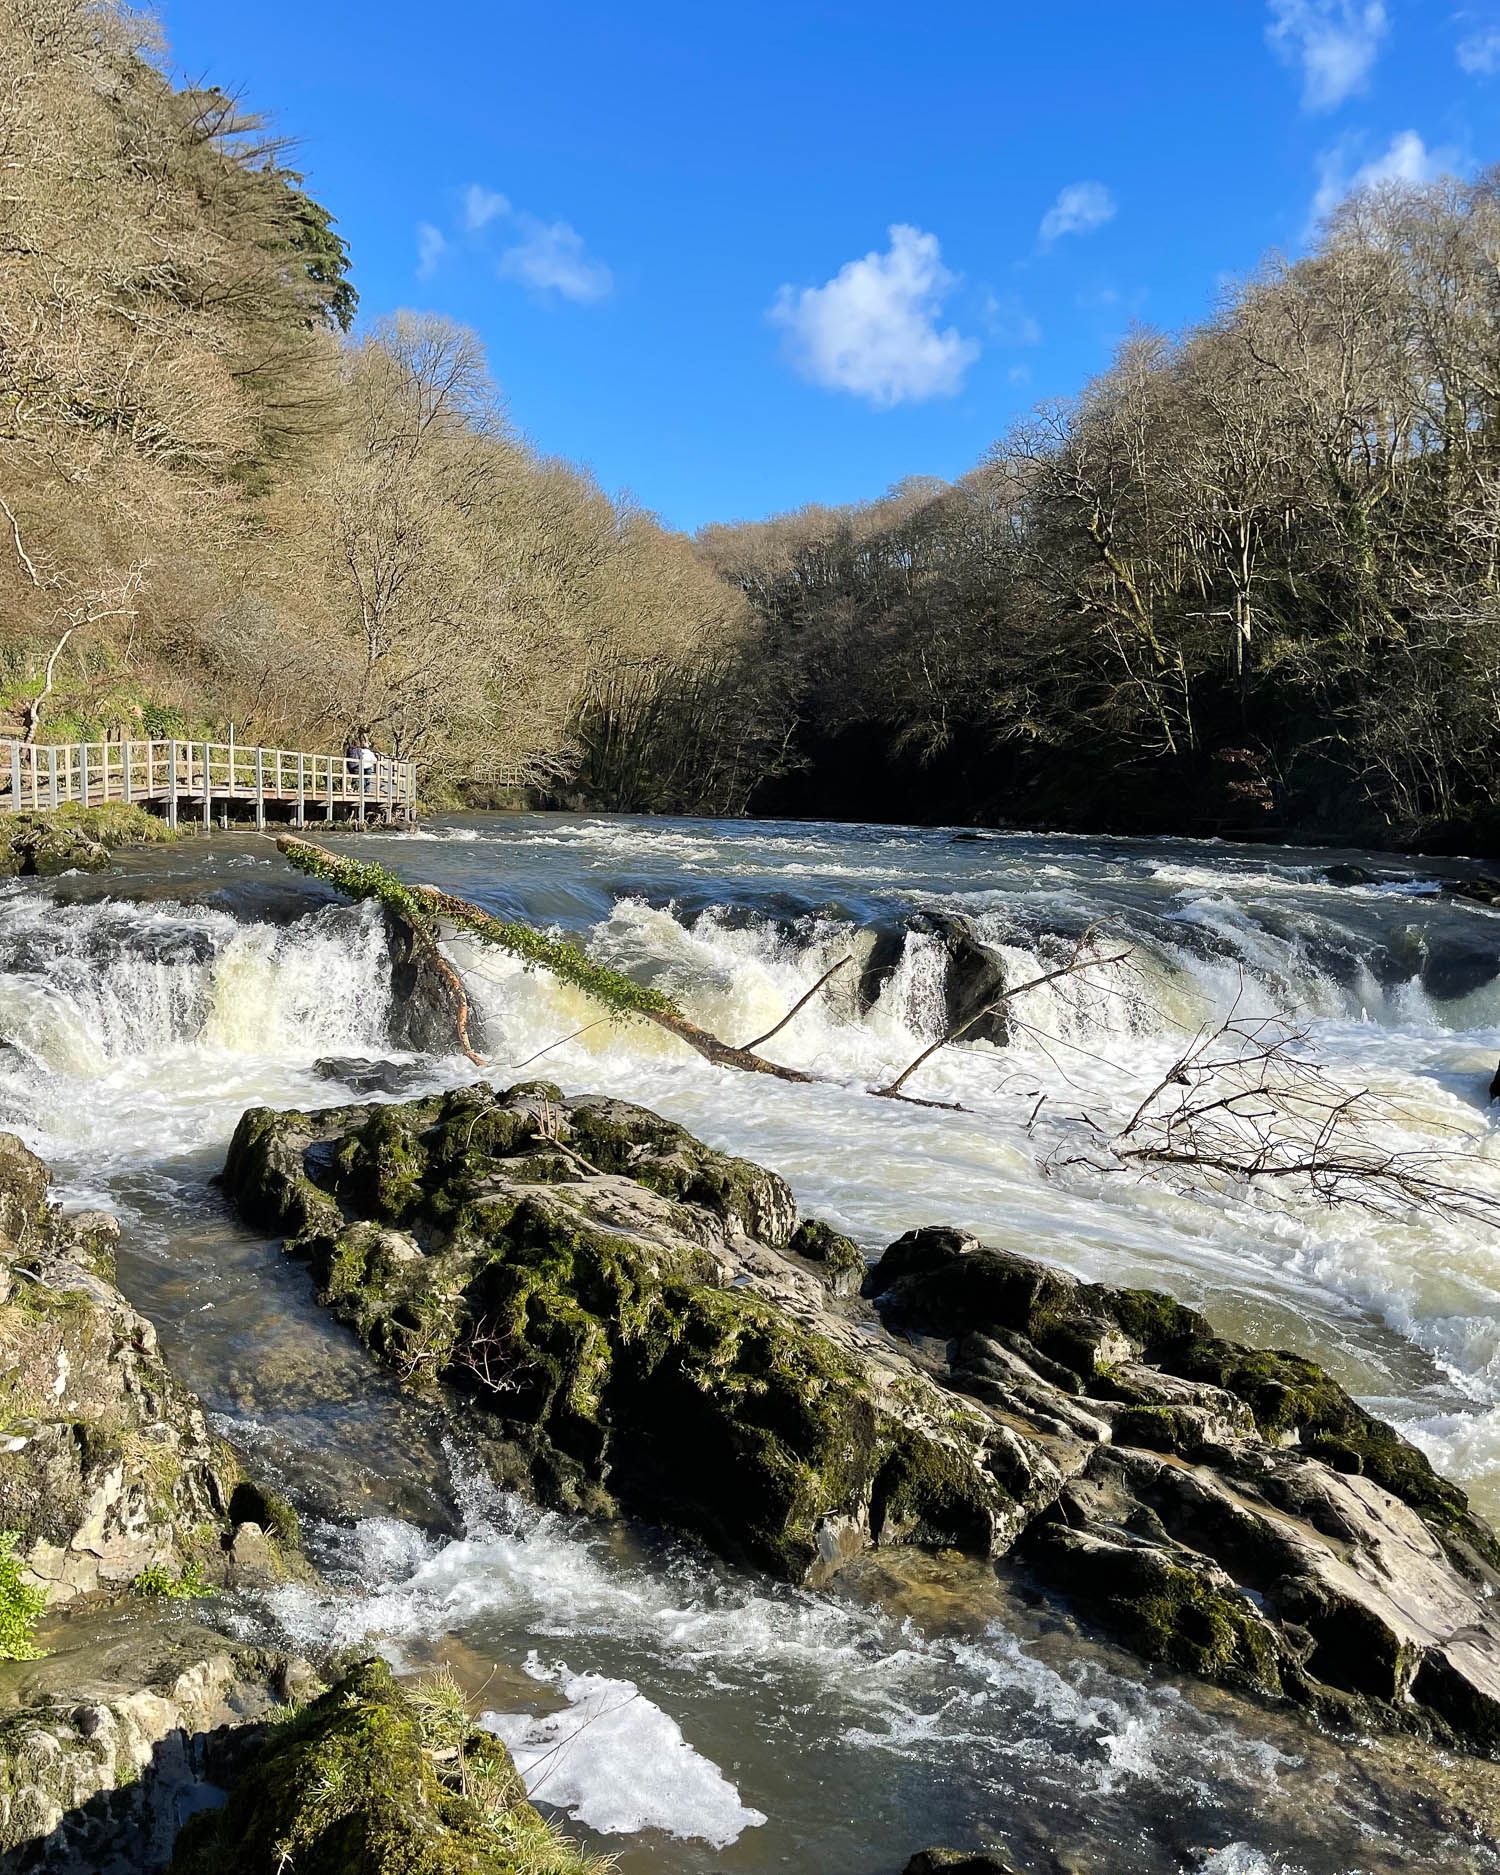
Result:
[140,1016]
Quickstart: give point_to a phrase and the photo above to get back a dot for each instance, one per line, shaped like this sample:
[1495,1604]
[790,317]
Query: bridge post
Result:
[301,789]
[328,812]
[260,789]
[125,772]
[207,794]
[171,784]
[52,772]
[15,775]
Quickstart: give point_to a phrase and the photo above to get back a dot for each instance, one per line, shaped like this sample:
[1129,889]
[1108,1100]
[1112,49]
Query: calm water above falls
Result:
[732,1726]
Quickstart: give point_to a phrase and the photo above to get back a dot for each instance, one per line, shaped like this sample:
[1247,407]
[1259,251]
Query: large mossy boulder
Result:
[374,1778]
[608,1304]
[73,838]
[1241,1516]
[108,1472]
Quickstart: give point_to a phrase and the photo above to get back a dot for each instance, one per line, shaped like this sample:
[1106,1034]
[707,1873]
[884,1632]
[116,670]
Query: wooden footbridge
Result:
[205,777]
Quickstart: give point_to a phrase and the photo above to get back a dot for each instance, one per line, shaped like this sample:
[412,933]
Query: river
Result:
[687,1717]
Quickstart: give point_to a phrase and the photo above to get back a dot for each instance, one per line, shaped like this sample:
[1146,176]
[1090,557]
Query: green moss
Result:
[1188,1624]
[377,1779]
[842,1259]
[538,950]
[157,1583]
[20,1605]
[381,1167]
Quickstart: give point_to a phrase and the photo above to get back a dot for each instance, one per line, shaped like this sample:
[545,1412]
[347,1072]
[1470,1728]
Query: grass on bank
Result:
[20,1605]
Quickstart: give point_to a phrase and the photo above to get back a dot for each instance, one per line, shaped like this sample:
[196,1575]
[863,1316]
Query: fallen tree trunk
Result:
[423,908]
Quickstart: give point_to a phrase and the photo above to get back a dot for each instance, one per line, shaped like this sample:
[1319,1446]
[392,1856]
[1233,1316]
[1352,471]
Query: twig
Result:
[1076,963]
[801,1003]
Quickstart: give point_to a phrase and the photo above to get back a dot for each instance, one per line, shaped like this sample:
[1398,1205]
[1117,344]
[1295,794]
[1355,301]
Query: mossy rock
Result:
[559,1270]
[74,838]
[1293,1399]
[374,1778]
[940,1281]
[840,1261]
[1175,1610]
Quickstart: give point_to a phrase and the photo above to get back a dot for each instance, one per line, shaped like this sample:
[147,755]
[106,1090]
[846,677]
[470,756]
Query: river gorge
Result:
[685,1715]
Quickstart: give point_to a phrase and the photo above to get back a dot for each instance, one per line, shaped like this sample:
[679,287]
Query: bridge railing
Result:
[39,776]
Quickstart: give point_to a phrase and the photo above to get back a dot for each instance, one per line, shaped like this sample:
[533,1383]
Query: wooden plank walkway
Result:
[197,776]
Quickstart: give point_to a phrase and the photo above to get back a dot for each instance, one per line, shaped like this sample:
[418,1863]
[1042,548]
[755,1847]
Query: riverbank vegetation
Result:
[1245,583]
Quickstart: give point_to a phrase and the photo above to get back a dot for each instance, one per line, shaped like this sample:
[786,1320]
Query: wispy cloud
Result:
[431,247]
[1479,52]
[482,206]
[550,258]
[1336,42]
[546,257]
[1079,209]
[1008,322]
[1408,159]
[872,329]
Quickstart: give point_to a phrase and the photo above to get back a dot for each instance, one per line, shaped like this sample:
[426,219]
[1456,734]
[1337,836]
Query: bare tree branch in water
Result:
[1085,956]
[801,1003]
[1246,1104]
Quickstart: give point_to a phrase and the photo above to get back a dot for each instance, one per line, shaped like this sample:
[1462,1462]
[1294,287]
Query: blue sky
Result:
[738,259]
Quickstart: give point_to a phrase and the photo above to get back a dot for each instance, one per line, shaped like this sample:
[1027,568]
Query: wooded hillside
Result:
[1247,581]
[216,507]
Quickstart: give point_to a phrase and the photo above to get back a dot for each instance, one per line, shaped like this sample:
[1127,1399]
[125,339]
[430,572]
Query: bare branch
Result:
[801,1003]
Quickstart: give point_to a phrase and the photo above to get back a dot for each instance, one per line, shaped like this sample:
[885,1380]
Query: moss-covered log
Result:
[424,909]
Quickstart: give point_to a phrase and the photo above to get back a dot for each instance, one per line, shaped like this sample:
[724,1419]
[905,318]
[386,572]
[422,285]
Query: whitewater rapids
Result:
[141,1013]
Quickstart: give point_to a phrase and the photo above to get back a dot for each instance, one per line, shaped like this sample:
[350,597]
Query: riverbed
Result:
[686,1716]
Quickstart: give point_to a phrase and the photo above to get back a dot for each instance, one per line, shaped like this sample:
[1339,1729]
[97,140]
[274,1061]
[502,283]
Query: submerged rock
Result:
[107,1468]
[374,1776]
[362,1075]
[619,1315]
[958,1862]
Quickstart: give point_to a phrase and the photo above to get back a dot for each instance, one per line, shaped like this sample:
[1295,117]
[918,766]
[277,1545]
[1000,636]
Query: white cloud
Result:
[551,260]
[482,205]
[1335,42]
[872,329]
[1479,53]
[430,249]
[1008,321]
[1407,160]
[1020,374]
[1079,209]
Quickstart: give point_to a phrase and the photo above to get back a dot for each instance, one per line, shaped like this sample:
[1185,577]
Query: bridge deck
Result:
[201,774]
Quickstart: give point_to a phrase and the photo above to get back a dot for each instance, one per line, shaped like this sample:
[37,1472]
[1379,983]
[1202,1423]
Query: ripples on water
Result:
[142,1013]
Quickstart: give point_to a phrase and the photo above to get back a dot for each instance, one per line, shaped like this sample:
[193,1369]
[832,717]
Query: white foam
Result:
[616,1761]
[1242,1858]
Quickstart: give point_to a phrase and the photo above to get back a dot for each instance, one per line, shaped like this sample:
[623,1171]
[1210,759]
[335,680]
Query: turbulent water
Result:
[685,1716]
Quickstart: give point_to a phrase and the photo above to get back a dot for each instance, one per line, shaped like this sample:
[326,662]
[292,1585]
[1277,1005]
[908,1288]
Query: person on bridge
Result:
[359,756]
